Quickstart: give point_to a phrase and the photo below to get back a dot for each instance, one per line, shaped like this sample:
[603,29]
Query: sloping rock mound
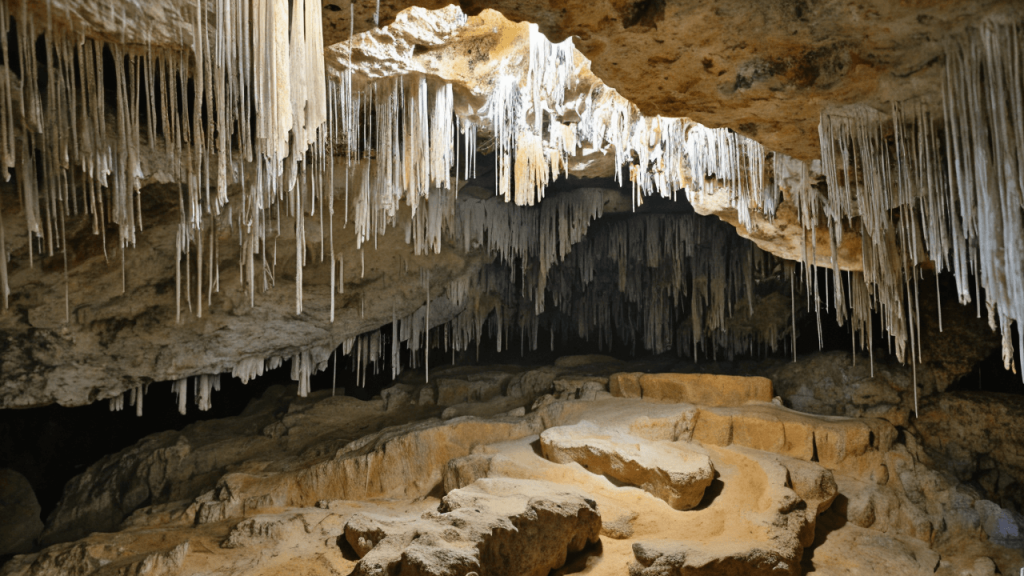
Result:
[494,526]
[321,447]
[19,510]
[840,384]
[854,550]
[676,474]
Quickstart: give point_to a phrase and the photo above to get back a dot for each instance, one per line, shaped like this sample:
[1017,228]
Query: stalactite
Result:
[203,388]
[302,368]
[5,287]
[68,122]
[180,389]
[248,368]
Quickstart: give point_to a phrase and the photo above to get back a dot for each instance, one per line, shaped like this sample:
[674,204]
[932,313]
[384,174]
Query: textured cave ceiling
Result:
[871,84]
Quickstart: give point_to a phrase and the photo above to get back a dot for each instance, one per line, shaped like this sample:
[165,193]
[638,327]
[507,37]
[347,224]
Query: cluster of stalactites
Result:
[73,154]
[953,195]
[203,387]
[663,155]
[666,282]
[404,147]
[546,233]
[950,190]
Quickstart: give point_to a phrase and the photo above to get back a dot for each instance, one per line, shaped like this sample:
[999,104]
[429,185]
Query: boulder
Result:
[580,387]
[461,472]
[494,526]
[676,473]
[625,384]
[533,383]
[477,388]
[1002,526]
[19,510]
[397,396]
[427,396]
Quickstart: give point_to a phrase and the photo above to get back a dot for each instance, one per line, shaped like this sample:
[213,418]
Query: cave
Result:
[638,287]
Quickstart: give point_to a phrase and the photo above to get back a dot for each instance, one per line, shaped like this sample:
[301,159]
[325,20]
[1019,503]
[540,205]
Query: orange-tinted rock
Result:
[625,384]
[705,389]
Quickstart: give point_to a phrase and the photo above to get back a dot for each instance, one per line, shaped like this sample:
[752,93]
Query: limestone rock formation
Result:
[88,319]
[876,385]
[767,76]
[71,309]
[333,483]
[493,526]
[705,389]
[854,550]
[676,474]
[121,339]
[977,437]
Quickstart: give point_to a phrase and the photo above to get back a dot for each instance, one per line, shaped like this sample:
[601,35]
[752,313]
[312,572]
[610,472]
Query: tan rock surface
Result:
[272,491]
[493,526]
[854,550]
[705,389]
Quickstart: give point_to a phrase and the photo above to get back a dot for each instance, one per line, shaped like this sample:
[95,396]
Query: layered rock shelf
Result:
[608,485]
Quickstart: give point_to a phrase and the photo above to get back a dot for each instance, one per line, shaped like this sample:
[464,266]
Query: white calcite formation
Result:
[272,140]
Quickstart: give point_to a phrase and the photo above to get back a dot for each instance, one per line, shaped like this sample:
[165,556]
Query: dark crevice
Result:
[646,14]
[714,490]
[989,375]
